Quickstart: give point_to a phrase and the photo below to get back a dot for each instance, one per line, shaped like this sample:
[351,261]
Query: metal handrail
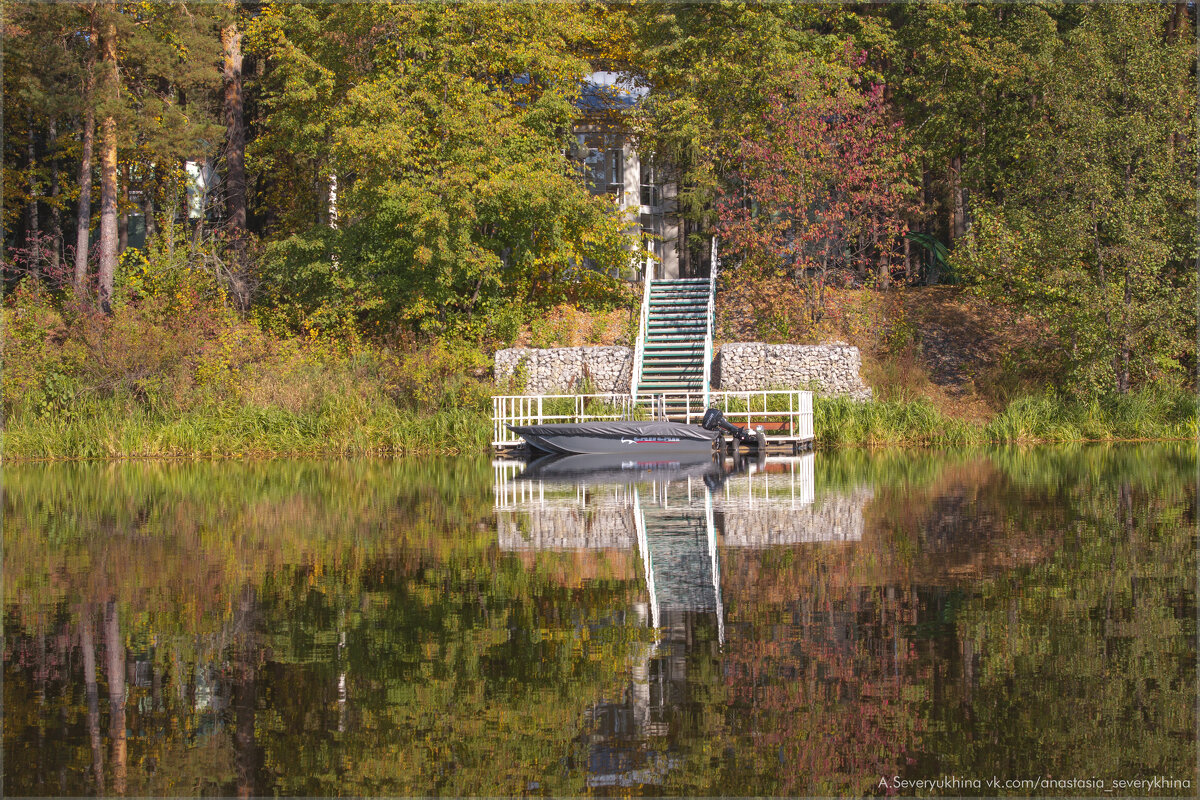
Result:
[530,410]
[708,334]
[643,323]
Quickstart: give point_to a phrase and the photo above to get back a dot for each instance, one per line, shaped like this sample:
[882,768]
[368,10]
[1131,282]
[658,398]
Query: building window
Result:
[649,188]
[616,173]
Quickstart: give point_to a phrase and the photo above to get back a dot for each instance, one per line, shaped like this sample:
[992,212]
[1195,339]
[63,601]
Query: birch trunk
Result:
[108,169]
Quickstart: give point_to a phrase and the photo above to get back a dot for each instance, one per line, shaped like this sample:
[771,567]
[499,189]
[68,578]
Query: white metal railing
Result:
[708,334]
[531,409]
[643,323]
[785,414]
[785,482]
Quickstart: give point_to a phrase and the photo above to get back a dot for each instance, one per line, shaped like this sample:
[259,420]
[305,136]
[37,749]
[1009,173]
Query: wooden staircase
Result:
[674,340]
[674,345]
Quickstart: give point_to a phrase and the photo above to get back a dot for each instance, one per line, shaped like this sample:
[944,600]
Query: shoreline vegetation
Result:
[182,374]
[257,433]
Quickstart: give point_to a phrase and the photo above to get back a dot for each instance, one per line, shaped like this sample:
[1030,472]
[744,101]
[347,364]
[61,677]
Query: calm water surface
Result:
[810,626]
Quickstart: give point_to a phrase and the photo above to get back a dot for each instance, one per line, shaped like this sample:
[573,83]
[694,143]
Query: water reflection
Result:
[676,517]
[465,628]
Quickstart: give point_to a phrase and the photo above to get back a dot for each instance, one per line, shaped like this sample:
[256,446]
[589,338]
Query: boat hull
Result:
[617,437]
[624,468]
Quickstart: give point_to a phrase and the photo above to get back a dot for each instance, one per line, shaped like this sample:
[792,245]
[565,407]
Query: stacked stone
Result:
[566,528]
[836,518]
[562,370]
[831,369]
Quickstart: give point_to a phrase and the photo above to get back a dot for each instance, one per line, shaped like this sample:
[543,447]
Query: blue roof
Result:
[608,91]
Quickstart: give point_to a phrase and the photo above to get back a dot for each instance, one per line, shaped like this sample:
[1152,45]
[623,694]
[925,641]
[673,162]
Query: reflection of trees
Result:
[317,628]
[1086,661]
[460,679]
[114,646]
[825,694]
[355,629]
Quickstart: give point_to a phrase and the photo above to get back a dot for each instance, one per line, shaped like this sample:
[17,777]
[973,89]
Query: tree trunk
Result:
[1175,22]
[33,239]
[108,170]
[56,234]
[933,271]
[333,200]
[83,218]
[907,261]
[235,131]
[958,203]
[321,195]
[123,213]
[88,645]
[885,272]
[149,192]
[115,650]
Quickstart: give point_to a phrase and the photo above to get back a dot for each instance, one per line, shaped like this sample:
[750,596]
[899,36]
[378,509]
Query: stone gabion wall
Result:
[835,518]
[827,368]
[565,528]
[562,369]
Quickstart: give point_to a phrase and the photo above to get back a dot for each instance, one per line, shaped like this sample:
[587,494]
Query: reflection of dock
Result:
[770,504]
[674,519]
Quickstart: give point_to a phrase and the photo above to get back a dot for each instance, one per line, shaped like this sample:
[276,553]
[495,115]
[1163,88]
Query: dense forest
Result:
[307,218]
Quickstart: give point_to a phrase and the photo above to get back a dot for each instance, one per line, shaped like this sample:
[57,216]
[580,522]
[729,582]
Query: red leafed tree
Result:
[820,191]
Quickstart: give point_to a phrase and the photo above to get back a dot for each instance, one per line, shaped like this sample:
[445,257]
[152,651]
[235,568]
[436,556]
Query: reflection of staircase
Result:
[681,557]
[674,337]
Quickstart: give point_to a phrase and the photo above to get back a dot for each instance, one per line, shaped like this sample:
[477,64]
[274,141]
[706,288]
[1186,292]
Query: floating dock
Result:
[785,415]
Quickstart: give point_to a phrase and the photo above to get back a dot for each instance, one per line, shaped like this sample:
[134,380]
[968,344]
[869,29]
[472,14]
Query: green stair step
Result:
[674,340]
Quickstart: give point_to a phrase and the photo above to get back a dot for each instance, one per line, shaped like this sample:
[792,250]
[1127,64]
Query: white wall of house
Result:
[613,167]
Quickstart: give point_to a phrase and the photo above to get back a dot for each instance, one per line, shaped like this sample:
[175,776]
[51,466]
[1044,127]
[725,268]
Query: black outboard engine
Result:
[715,420]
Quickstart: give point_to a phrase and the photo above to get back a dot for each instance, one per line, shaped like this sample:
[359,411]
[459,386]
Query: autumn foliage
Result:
[820,192]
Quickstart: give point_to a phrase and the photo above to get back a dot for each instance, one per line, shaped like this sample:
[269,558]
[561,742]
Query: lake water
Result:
[837,623]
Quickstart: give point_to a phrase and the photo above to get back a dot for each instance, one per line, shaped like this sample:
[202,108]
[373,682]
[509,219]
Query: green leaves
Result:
[445,128]
[1091,230]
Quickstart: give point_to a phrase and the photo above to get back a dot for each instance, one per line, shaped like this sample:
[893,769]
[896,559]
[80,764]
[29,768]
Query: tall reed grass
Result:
[114,430]
[114,427]
[1145,414]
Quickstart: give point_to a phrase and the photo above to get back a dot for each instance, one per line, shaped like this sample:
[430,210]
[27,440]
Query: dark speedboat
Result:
[630,436]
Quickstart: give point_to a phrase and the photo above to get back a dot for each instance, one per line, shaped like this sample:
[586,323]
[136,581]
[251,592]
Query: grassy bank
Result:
[181,376]
[109,430]
[119,428]
[159,381]
[1147,414]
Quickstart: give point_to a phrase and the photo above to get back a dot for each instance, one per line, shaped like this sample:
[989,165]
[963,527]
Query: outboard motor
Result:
[715,420]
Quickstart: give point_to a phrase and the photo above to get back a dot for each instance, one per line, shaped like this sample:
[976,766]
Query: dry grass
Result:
[567,326]
[936,344]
